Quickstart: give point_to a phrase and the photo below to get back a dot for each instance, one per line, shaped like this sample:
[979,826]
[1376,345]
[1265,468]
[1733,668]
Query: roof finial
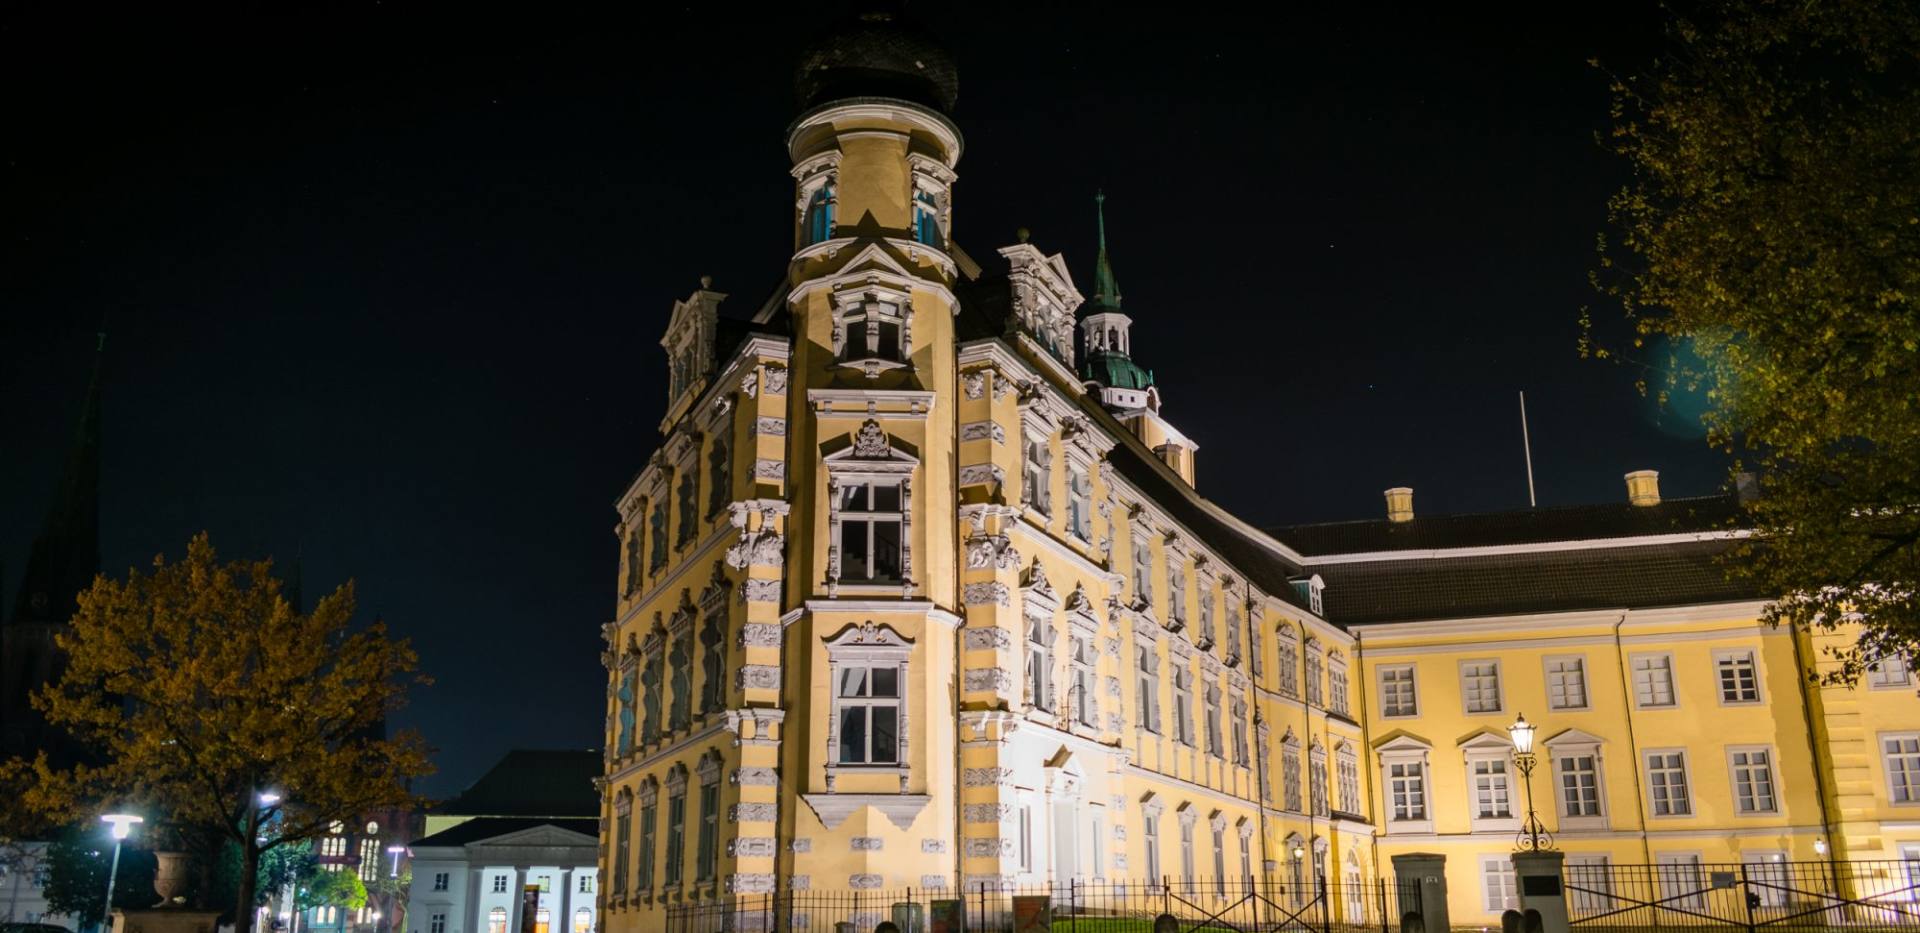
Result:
[1106,291]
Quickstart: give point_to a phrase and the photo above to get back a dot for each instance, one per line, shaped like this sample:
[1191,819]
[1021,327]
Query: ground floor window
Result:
[1502,889]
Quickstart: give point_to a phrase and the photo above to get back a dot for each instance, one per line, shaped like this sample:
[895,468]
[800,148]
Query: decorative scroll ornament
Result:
[871,442]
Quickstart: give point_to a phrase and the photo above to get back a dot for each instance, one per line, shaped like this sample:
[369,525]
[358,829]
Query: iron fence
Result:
[1223,906]
[1859,895]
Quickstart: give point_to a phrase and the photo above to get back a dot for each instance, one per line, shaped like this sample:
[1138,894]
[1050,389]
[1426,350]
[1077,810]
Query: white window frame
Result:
[1036,473]
[1752,656]
[1079,503]
[870,458]
[1592,872]
[1183,703]
[1673,685]
[1669,867]
[1406,751]
[1577,744]
[1498,880]
[1586,687]
[1910,773]
[869,645]
[1686,782]
[1176,561]
[1211,697]
[1338,688]
[1412,690]
[1889,673]
[1038,686]
[1772,768]
[1289,651]
[1293,770]
[1769,868]
[1316,657]
[1499,688]
[1146,670]
[1142,564]
[1490,748]
[1150,813]
[1346,766]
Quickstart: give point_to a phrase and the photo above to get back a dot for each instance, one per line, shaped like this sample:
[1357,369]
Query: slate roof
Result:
[545,783]
[1531,526]
[1431,588]
[486,828]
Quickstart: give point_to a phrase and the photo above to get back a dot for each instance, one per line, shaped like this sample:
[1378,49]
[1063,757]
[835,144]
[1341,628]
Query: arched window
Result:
[926,223]
[497,920]
[820,215]
[542,921]
[1113,339]
[582,920]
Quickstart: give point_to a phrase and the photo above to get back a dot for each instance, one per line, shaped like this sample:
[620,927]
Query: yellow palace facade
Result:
[917,591]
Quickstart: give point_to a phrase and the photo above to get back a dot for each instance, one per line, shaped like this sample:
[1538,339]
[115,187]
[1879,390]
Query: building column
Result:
[516,903]
[476,917]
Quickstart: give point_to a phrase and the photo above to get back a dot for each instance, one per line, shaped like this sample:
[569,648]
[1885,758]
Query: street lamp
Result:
[1533,836]
[122,826]
[395,851]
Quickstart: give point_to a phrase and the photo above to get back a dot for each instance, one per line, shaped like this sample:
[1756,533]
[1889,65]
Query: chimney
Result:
[1643,487]
[1400,504]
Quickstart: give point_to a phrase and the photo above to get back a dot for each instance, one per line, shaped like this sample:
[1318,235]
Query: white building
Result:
[23,884]
[506,875]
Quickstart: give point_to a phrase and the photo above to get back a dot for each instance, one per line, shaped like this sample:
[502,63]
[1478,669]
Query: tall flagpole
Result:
[1526,444]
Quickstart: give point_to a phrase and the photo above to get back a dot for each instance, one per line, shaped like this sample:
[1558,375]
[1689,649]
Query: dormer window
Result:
[818,222]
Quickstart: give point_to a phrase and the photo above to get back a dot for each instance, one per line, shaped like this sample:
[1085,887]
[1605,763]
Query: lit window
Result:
[1040,636]
[870,515]
[1739,677]
[868,713]
[373,829]
[497,920]
[1901,756]
[819,217]
[370,856]
[1653,680]
[1567,683]
[1397,692]
[1667,783]
[1480,684]
[1753,780]
[582,920]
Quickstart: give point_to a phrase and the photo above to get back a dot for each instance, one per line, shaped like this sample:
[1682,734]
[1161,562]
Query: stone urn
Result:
[170,877]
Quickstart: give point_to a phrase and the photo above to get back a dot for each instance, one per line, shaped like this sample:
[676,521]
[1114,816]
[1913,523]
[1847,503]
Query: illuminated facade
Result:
[917,592]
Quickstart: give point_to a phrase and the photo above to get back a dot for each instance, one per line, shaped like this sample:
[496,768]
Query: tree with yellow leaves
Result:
[200,687]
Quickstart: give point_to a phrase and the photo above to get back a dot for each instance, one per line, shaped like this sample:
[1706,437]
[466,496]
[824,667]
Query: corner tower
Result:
[1108,369]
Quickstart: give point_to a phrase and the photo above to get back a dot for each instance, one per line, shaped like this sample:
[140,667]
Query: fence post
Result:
[1384,913]
[1538,876]
[1426,874]
[1326,908]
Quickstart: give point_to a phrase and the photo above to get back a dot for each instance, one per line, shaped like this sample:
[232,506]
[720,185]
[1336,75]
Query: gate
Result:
[1685,892]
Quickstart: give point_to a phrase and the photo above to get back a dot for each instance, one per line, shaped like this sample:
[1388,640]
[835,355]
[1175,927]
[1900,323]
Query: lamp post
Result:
[1533,836]
[122,825]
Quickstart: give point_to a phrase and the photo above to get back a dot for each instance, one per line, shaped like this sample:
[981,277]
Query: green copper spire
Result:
[1106,291]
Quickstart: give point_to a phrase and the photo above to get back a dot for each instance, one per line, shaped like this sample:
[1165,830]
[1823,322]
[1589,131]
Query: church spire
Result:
[1106,291]
[66,554]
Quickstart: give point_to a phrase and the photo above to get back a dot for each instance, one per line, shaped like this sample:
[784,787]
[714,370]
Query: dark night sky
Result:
[384,286]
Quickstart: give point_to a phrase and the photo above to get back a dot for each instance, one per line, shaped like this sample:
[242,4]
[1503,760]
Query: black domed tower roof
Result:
[876,54]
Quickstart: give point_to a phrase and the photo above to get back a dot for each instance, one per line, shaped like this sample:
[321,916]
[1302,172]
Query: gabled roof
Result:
[544,783]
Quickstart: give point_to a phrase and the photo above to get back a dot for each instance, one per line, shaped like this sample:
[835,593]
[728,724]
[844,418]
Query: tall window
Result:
[1753,780]
[1150,826]
[440,880]
[1480,683]
[1289,664]
[1579,785]
[719,487]
[870,531]
[1024,839]
[1203,594]
[1086,706]
[1240,732]
[1889,671]
[622,843]
[1347,768]
[1313,677]
[1290,778]
[1220,852]
[583,921]
[1176,589]
[497,920]
[1491,797]
[819,220]
[649,814]
[1901,757]
[1407,788]
[1682,882]
[1589,883]
[1667,783]
[1214,747]
[657,530]
[1739,677]
[926,222]
[1182,704]
[1037,475]
[1653,679]
[1142,568]
[676,835]
[680,658]
[1317,780]
[689,514]
[1147,690]
[1567,683]
[629,683]
[369,858]
[1502,887]
[1186,850]
[1337,685]
[1232,626]
[1040,661]
[1079,504]
[707,860]
[499,884]
[868,701]
[1397,691]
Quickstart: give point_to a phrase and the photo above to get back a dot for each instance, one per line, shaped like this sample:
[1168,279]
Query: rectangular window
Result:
[1579,785]
[499,884]
[1220,854]
[1739,676]
[440,881]
[439,924]
[1289,666]
[1317,781]
[1567,683]
[1890,671]
[1589,883]
[869,713]
[1337,687]
[1037,475]
[1186,851]
[1240,734]
[1397,696]
[1492,798]
[1183,705]
[1502,886]
[1753,780]
[622,842]
[1901,756]
[870,516]
[1653,680]
[586,884]
[1152,827]
[1667,783]
[1142,568]
[1213,722]
[1348,774]
[1480,685]
[648,816]
[1086,702]
[1682,882]
[676,838]
[1079,504]
[1313,678]
[1039,685]
[1148,689]
[1176,589]
[707,860]
[1407,786]
[1290,778]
